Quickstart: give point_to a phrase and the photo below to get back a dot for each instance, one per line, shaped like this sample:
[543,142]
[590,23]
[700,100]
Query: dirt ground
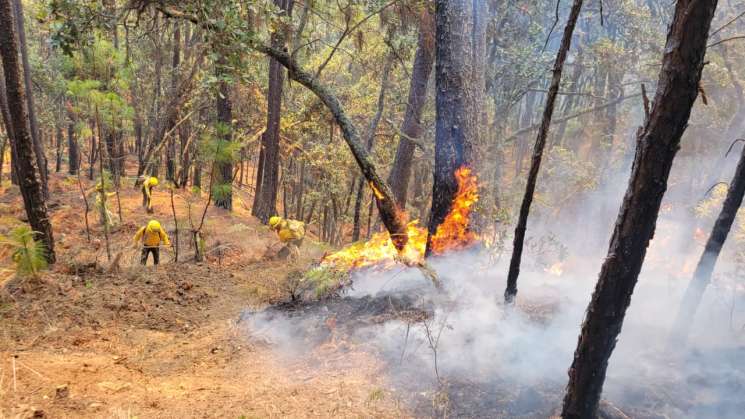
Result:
[86,341]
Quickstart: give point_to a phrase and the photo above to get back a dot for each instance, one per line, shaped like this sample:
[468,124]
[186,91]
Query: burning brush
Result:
[380,253]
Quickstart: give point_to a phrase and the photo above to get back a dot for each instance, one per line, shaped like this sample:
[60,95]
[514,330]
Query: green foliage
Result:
[28,255]
[324,280]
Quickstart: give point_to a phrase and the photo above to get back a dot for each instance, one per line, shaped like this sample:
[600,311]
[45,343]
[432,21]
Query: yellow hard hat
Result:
[153,181]
[153,225]
[274,221]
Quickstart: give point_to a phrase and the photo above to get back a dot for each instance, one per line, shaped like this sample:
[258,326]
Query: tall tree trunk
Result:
[460,34]
[702,276]
[265,200]
[657,144]
[59,138]
[22,142]
[540,143]
[223,168]
[175,61]
[73,151]
[412,124]
[41,160]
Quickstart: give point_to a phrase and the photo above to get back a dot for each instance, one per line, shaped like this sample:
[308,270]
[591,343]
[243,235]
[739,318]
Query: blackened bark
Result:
[265,201]
[412,124]
[540,144]
[702,276]
[657,144]
[22,142]
[73,152]
[41,160]
[459,46]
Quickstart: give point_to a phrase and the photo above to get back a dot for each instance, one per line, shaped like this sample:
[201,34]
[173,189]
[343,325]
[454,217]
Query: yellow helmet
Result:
[153,226]
[274,221]
[153,181]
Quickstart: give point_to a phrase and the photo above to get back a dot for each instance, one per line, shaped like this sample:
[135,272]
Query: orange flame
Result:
[452,234]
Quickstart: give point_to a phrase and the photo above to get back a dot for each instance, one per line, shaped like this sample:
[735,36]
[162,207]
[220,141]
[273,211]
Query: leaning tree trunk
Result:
[411,128]
[392,218]
[540,144]
[41,159]
[28,176]
[459,34]
[265,201]
[657,144]
[702,276]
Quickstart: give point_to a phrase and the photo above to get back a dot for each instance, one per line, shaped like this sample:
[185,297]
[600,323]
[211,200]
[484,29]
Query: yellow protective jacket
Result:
[148,184]
[152,235]
[289,230]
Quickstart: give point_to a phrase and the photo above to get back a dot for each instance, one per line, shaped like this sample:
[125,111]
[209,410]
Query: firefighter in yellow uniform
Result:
[151,236]
[291,233]
[147,192]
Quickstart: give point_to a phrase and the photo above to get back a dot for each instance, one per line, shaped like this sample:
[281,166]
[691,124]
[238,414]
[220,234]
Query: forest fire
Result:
[453,234]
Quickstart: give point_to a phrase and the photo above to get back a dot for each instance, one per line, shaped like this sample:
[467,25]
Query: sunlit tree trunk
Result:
[29,179]
[265,201]
[657,144]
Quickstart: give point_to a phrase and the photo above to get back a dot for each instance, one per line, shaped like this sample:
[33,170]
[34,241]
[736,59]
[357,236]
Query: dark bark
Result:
[41,160]
[459,44]
[224,168]
[21,141]
[657,144]
[59,138]
[73,151]
[412,123]
[702,276]
[265,201]
[540,144]
[175,62]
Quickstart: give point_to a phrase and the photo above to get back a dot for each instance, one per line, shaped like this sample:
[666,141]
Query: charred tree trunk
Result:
[540,144]
[265,200]
[657,144]
[412,124]
[702,276]
[22,142]
[41,160]
[460,31]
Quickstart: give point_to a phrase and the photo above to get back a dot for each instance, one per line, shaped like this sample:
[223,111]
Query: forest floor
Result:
[85,341]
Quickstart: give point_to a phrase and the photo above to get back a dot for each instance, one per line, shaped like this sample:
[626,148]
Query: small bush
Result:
[28,255]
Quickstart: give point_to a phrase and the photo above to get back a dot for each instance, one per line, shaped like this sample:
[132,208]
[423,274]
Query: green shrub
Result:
[28,254]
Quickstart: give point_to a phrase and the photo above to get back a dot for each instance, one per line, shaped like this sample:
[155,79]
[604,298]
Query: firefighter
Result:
[147,192]
[291,233]
[151,236]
